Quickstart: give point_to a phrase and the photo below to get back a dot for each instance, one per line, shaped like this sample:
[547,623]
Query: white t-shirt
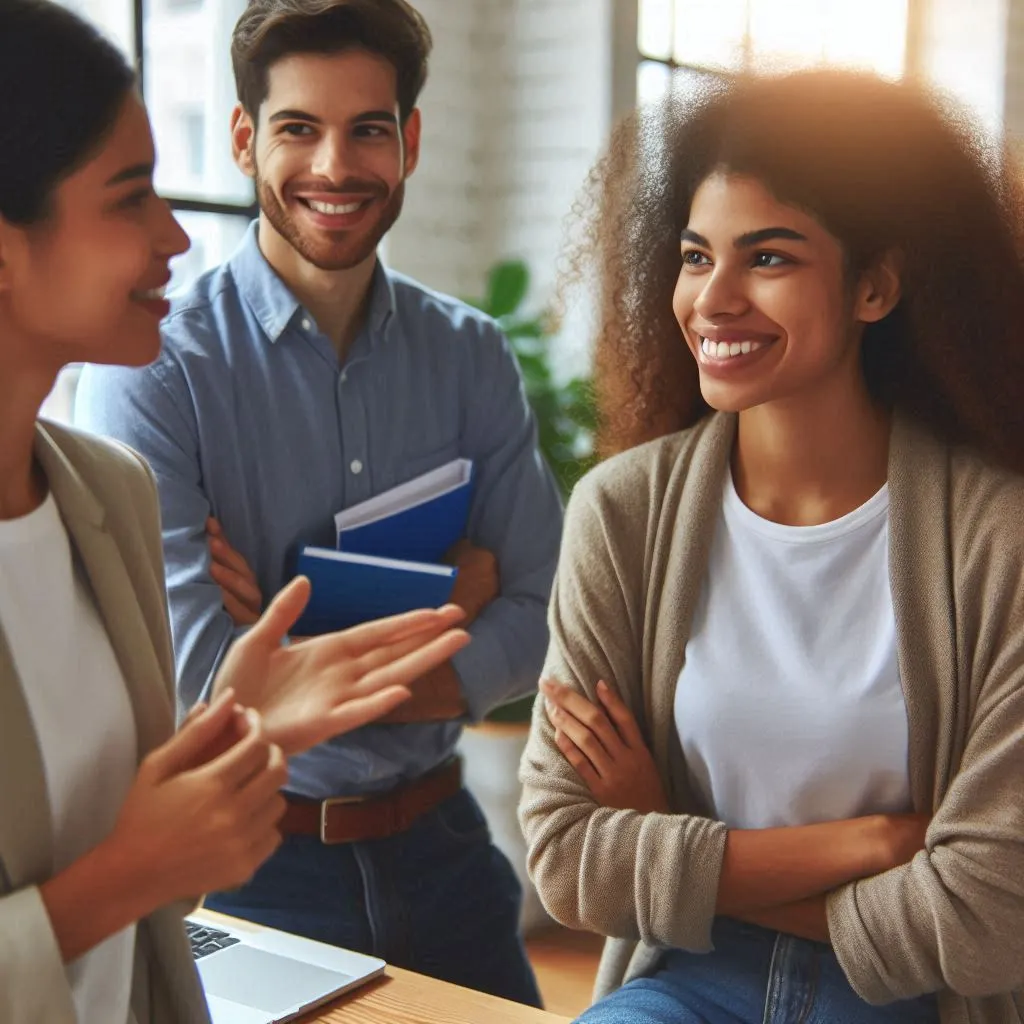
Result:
[83,719]
[789,706]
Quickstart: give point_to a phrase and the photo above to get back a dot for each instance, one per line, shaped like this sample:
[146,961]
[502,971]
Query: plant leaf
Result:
[506,287]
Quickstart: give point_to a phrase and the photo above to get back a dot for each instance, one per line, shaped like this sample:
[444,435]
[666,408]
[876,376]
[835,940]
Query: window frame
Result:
[189,204]
[914,32]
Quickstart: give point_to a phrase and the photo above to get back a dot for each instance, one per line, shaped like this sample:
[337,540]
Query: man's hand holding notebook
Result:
[401,550]
[389,552]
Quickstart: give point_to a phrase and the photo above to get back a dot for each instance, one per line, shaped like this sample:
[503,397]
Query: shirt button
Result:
[356,466]
[307,325]
[344,376]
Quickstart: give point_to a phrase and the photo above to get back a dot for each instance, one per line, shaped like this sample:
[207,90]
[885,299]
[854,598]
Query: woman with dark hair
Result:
[110,826]
[778,761]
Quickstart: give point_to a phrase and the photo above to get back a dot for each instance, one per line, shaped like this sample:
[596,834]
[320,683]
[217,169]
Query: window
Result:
[719,36]
[190,91]
[214,237]
[182,50]
[114,17]
[193,131]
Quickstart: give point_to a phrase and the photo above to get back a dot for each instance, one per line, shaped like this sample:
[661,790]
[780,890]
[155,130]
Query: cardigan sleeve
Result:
[621,873]
[952,917]
[33,984]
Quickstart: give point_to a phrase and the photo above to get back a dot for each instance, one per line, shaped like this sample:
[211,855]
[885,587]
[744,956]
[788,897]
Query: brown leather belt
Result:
[359,819]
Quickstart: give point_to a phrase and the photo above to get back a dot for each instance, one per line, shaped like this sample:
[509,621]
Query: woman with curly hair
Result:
[778,760]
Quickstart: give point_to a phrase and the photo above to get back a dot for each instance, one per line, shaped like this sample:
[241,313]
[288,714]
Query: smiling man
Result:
[300,378]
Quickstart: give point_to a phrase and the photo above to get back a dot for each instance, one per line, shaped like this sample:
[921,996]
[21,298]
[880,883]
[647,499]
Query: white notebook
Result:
[419,490]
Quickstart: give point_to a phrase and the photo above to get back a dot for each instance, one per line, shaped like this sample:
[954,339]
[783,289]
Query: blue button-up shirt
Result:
[247,415]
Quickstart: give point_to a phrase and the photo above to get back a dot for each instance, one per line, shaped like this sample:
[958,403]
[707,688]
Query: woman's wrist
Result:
[861,846]
[98,895]
[769,867]
[807,919]
[870,836]
[890,840]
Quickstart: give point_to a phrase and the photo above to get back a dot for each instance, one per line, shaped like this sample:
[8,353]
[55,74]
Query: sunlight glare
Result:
[709,33]
[868,34]
[654,36]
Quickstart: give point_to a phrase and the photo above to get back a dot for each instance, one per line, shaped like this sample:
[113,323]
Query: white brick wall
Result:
[441,232]
[516,109]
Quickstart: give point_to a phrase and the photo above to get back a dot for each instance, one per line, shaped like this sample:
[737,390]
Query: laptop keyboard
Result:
[205,941]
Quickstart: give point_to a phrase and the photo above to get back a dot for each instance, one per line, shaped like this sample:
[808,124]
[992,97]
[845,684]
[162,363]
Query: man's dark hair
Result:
[61,87]
[272,29]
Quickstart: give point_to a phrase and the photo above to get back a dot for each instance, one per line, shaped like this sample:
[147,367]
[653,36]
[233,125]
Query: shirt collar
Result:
[382,300]
[267,295]
[272,302]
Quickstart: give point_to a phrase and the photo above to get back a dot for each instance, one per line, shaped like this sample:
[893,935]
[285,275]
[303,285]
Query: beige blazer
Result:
[108,501]
[634,556]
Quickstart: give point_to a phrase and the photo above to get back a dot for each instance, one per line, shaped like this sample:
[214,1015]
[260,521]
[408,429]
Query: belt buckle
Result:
[325,805]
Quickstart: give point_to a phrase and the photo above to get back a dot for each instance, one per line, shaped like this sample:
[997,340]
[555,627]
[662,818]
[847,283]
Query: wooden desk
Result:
[404,997]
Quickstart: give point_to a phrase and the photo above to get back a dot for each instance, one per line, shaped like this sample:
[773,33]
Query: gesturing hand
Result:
[198,822]
[605,747]
[331,684]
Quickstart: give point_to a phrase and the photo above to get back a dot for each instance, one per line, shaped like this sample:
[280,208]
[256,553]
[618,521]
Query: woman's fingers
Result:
[283,612]
[353,714]
[260,795]
[193,713]
[422,648]
[402,664]
[621,716]
[245,759]
[371,636]
[197,732]
[580,708]
[585,739]
[572,753]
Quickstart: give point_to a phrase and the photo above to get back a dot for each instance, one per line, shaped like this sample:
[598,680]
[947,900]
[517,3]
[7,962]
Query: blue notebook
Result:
[418,521]
[349,588]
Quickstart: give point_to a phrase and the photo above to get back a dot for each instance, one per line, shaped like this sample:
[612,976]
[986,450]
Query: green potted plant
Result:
[565,421]
[564,410]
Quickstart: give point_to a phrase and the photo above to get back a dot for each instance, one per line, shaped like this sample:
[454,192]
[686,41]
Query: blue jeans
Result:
[438,898]
[753,976]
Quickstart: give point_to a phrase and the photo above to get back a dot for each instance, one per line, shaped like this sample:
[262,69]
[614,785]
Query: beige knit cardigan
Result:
[637,534]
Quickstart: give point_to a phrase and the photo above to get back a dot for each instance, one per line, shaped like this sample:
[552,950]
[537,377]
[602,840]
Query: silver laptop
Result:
[256,975]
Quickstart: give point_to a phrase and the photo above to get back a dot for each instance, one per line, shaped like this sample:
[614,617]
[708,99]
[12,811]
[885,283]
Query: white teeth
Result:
[332,209]
[728,349]
[151,294]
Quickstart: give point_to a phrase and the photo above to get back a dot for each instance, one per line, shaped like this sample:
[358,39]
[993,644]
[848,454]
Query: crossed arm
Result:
[776,877]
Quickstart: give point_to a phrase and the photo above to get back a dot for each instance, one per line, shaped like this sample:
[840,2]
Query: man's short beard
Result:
[328,256]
